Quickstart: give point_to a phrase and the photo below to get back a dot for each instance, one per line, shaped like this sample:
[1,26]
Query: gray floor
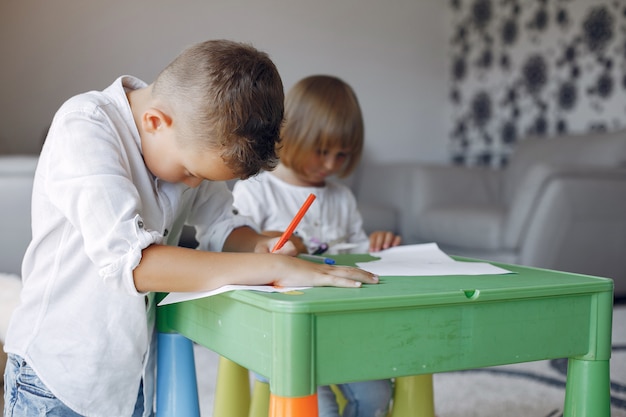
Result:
[206,372]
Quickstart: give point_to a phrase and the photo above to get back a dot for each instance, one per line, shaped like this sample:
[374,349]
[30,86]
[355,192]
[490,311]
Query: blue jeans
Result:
[26,396]
[364,399]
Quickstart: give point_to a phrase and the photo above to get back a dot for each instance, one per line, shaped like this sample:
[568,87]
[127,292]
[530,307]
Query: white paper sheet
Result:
[177,297]
[424,259]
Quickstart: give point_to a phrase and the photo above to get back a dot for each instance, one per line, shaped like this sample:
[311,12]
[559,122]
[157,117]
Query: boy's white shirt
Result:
[332,218]
[81,324]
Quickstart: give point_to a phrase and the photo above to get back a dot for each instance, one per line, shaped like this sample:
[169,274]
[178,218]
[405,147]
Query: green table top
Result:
[398,291]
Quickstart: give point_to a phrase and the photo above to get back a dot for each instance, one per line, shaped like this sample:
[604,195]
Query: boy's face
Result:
[169,161]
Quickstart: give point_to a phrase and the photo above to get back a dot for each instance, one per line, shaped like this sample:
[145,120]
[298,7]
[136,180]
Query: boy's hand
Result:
[300,272]
[383,240]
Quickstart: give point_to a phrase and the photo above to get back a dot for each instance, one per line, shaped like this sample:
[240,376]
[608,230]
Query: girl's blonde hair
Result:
[321,112]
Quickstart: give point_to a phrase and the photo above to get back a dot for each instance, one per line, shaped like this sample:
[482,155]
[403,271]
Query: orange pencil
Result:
[294,223]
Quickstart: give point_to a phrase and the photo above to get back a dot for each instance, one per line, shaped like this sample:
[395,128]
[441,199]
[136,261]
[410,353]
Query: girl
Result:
[322,136]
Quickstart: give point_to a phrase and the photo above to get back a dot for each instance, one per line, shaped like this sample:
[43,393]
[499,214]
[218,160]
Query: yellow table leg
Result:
[232,390]
[413,396]
[260,404]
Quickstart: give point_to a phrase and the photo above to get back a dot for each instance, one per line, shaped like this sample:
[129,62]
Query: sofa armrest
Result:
[581,206]
[531,193]
[10,287]
[16,184]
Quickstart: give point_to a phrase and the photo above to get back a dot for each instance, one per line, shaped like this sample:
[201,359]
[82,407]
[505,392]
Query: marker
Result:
[315,258]
[294,223]
[321,249]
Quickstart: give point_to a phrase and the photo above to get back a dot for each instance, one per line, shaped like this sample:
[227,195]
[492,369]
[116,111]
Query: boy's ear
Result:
[154,119]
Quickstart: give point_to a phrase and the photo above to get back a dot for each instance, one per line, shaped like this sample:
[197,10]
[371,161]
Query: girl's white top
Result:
[332,219]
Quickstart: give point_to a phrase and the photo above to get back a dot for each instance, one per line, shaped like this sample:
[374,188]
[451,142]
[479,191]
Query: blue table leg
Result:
[177,389]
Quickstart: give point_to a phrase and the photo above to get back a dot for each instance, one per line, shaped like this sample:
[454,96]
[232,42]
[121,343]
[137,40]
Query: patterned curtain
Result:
[533,67]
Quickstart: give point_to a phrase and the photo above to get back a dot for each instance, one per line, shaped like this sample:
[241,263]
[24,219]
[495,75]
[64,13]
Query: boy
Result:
[120,173]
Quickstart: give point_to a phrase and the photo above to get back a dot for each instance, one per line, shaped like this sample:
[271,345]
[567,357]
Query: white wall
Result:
[392,52]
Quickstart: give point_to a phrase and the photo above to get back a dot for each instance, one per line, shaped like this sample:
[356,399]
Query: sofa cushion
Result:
[378,217]
[476,227]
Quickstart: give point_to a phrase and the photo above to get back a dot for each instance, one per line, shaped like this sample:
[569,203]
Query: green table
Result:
[410,326]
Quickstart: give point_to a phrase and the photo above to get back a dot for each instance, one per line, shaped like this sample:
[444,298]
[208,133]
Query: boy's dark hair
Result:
[227,96]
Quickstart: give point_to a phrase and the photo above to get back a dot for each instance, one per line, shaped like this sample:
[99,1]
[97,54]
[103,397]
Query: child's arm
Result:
[171,268]
[380,240]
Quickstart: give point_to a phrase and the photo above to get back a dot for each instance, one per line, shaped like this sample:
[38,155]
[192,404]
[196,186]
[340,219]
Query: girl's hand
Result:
[265,245]
[296,240]
[245,239]
[299,272]
[380,240]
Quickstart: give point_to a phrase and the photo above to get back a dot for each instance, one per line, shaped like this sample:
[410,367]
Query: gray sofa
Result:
[560,204]
[16,185]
